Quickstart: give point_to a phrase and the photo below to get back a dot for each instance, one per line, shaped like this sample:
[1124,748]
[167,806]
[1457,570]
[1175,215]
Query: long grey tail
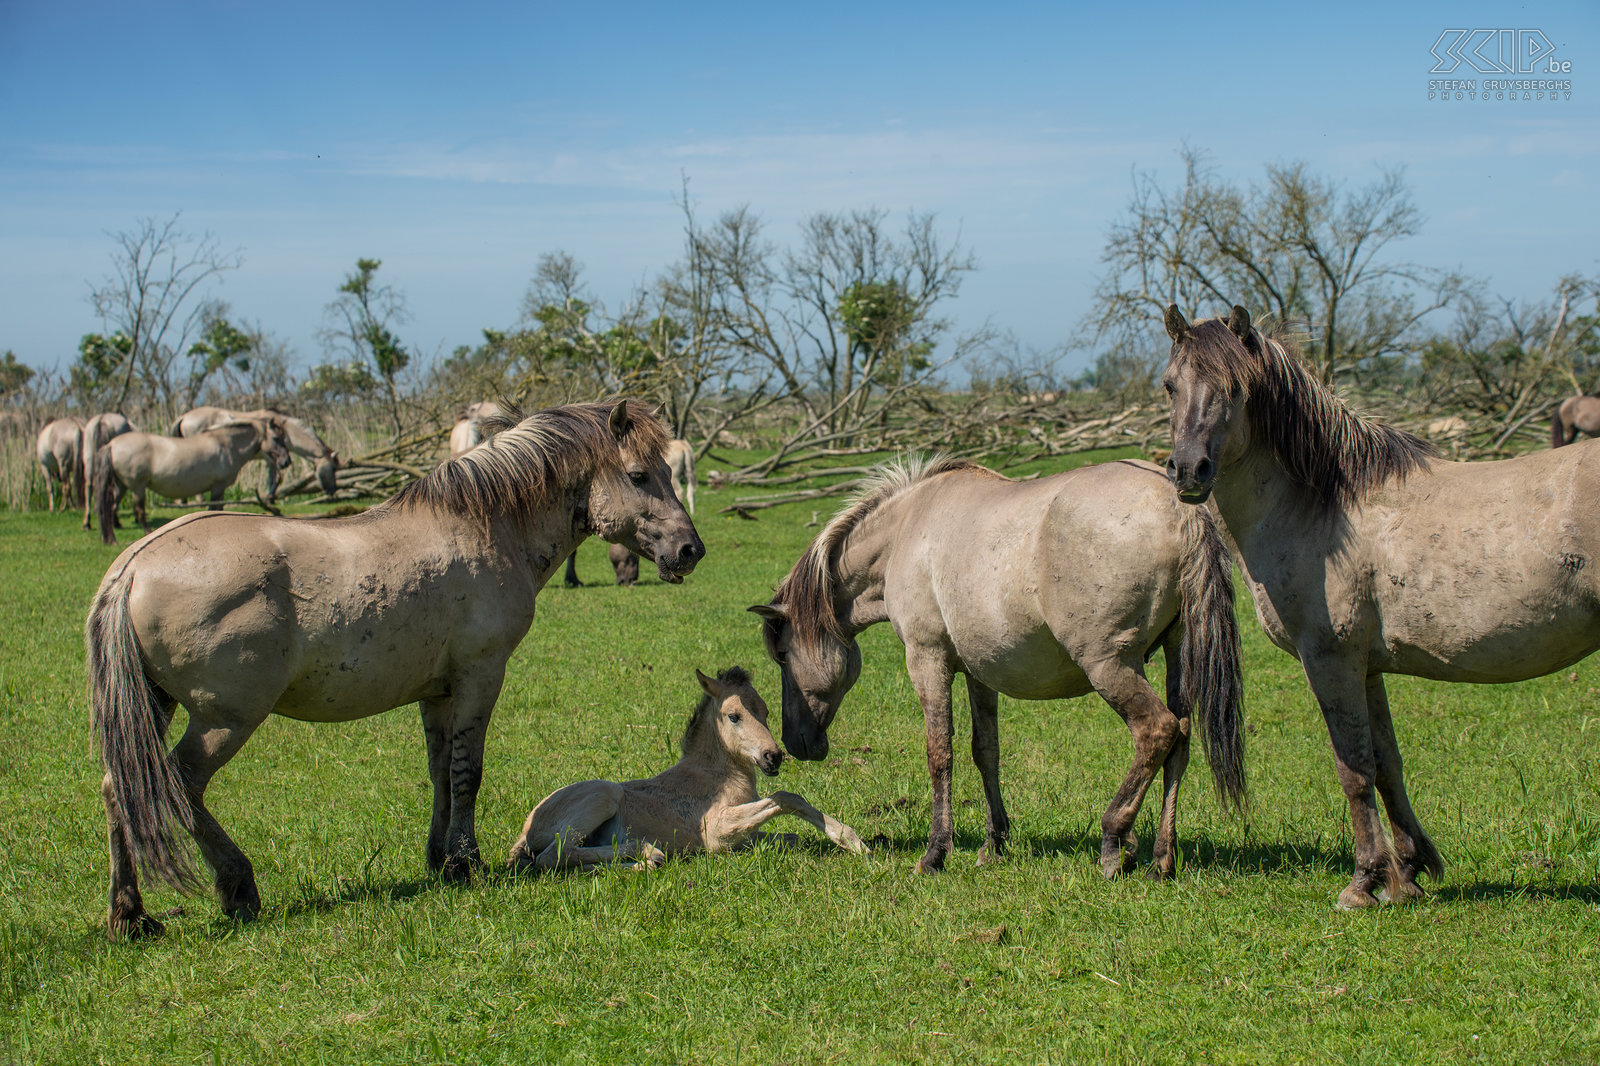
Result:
[105,494]
[1558,430]
[129,720]
[1212,679]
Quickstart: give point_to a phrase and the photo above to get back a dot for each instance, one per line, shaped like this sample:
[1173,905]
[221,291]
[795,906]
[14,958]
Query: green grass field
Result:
[808,955]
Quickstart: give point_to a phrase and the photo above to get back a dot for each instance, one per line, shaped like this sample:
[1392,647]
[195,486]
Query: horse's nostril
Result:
[1172,467]
[1202,469]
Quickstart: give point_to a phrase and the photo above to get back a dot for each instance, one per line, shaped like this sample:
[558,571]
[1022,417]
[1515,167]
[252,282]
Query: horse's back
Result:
[1486,571]
[1032,580]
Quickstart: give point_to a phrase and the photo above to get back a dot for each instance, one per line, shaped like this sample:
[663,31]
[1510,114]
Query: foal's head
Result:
[738,715]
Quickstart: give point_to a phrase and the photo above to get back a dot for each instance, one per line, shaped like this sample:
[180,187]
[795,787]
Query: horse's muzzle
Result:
[1193,479]
[770,761]
[672,567]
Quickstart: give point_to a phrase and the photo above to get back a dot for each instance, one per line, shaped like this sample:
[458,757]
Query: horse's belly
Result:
[1034,667]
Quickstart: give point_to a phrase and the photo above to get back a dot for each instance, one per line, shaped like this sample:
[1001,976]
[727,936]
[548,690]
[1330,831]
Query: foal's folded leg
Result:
[553,835]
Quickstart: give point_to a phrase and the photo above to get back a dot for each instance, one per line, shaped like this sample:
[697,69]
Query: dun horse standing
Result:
[707,801]
[1577,414]
[58,449]
[179,467]
[421,599]
[300,437]
[97,432]
[1367,555]
[1037,589]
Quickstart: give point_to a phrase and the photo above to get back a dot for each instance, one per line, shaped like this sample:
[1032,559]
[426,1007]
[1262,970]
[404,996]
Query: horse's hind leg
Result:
[931,677]
[985,704]
[1154,730]
[1163,860]
[1413,849]
[205,748]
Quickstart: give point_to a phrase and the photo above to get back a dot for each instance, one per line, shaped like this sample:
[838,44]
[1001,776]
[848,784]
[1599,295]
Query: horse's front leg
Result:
[217,492]
[931,676]
[985,704]
[138,510]
[1154,730]
[1340,686]
[436,731]
[463,720]
[1413,849]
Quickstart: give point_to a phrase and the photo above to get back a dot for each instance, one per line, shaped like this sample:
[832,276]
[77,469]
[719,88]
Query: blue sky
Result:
[458,143]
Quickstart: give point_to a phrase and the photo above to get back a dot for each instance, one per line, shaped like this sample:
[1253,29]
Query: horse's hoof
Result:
[1159,871]
[928,867]
[1355,897]
[1409,890]
[988,855]
[459,870]
[136,926]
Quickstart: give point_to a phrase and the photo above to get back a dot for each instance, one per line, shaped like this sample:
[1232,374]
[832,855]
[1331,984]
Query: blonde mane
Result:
[808,589]
[526,466]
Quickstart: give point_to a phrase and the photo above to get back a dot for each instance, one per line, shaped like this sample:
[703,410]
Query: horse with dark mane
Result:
[1041,590]
[1369,555]
[419,600]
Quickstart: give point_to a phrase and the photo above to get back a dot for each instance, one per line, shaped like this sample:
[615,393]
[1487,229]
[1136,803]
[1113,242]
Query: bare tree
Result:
[153,298]
[1297,246]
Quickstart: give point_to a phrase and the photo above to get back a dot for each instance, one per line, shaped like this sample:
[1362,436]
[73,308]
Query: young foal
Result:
[707,801]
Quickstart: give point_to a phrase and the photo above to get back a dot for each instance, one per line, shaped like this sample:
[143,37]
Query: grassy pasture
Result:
[811,955]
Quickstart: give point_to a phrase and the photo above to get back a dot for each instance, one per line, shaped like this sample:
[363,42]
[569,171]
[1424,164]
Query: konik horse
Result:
[419,600]
[1577,414]
[301,439]
[97,432]
[58,451]
[1038,589]
[1368,555]
[179,467]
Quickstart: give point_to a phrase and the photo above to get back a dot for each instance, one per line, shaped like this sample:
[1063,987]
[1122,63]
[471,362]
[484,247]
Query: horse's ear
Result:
[772,612]
[1239,323]
[619,421]
[1177,328]
[712,688]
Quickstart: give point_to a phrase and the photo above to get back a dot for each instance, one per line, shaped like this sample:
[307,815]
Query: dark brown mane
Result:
[524,468]
[807,591]
[1337,455]
[732,676]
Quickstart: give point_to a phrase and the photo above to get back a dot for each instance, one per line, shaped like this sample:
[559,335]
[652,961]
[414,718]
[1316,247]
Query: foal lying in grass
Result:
[706,802]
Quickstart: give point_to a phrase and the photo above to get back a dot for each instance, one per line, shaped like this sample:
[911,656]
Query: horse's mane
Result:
[1337,455]
[522,468]
[733,675]
[807,591]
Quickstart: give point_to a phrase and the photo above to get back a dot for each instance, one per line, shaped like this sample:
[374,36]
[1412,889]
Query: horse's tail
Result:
[105,494]
[1558,428]
[129,718]
[1212,683]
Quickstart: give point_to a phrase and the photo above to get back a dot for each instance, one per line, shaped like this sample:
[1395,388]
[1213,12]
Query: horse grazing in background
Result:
[301,439]
[58,451]
[1577,414]
[706,802]
[680,461]
[97,431]
[420,599]
[180,467]
[1041,590]
[1368,555]
[469,431]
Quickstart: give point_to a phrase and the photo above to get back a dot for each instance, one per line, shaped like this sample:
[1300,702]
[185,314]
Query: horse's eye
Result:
[735,718]
[1169,387]
[638,477]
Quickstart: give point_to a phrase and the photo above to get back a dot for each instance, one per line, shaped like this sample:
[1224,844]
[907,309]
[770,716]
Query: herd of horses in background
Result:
[1364,551]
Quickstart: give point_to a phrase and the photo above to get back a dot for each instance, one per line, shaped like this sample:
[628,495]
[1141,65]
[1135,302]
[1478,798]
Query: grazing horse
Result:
[58,448]
[1577,414]
[470,431]
[180,467]
[97,431]
[420,599]
[679,455]
[302,440]
[1368,555]
[1040,589]
[707,801]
